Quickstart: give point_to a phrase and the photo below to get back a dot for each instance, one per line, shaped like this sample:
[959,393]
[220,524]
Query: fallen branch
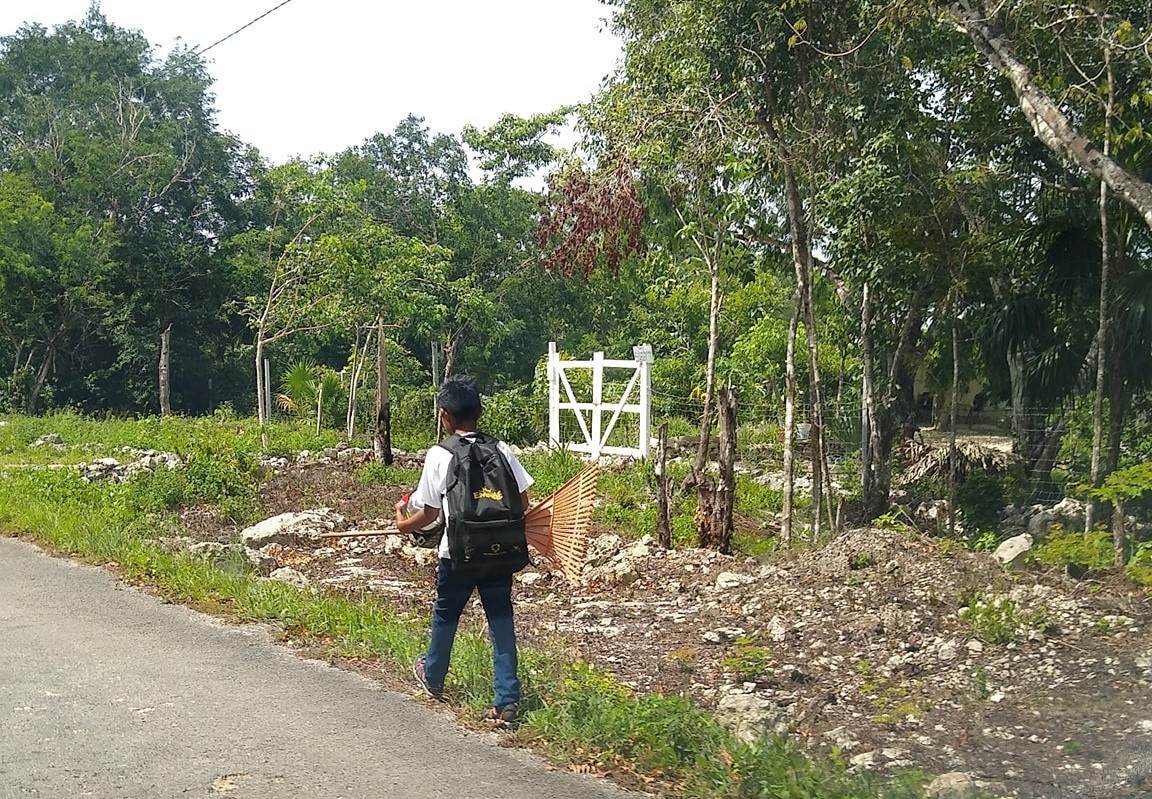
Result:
[365,533]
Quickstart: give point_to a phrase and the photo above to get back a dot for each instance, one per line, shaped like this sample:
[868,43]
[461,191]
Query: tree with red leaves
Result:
[591,218]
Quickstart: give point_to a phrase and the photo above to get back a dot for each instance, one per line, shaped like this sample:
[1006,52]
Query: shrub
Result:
[1090,551]
[1140,565]
[999,620]
[515,417]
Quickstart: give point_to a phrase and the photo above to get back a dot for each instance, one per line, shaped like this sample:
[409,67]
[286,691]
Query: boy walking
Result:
[460,409]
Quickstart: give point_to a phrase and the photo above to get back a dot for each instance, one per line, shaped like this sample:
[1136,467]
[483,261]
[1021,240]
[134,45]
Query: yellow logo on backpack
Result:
[493,494]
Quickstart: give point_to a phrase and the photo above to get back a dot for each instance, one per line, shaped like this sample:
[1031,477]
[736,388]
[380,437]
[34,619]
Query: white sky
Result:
[317,76]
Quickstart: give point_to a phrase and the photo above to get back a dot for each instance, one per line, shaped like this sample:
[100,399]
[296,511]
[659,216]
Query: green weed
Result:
[747,662]
[999,620]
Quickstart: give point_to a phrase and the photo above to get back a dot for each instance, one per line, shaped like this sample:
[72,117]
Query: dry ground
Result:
[857,646]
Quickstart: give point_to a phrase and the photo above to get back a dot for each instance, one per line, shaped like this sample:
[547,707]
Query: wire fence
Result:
[1016,448]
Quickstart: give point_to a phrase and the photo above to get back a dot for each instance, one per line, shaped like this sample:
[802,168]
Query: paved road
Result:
[106,692]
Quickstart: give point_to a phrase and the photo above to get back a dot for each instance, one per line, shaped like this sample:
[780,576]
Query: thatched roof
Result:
[932,463]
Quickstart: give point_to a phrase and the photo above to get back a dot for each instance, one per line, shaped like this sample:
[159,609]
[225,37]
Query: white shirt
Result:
[434,480]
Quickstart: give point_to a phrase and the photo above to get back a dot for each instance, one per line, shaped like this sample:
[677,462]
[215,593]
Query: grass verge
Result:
[574,713]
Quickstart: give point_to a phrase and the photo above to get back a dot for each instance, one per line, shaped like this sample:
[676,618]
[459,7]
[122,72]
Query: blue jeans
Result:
[452,593]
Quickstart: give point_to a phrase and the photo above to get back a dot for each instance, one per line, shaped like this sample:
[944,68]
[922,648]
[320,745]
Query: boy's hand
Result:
[401,511]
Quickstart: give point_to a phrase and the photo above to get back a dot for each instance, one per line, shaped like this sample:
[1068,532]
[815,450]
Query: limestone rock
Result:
[1013,550]
[288,529]
[287,574]
[955,785]
[750,716]
[729,580]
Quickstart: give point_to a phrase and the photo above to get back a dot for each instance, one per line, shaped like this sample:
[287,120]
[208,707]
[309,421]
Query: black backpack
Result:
[485,516]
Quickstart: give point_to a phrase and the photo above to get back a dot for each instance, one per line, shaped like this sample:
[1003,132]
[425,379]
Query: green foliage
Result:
[374,473]
[893,520]
[224,477]
[980,683]
[747,661]
[1123,484]
[1091,551]
[551,469]
[515,416]
[1139,568]
[999,620]
[980,498]
[983,541]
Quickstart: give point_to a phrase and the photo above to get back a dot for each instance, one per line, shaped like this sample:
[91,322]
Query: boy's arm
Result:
[410,524]
[426,495]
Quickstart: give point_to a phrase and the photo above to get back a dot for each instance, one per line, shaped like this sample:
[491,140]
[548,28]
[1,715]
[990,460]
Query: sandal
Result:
[422,679]
[503,715]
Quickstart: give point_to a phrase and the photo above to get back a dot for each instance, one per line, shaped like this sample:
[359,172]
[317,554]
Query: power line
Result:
[241,28]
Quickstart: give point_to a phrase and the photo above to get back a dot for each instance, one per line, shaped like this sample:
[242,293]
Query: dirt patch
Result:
[1042,689]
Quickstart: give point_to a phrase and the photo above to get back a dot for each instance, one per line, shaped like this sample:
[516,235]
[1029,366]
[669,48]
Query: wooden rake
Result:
[558,528]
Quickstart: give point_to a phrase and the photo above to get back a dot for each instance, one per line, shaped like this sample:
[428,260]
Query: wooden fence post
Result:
[726,485]
[663,492]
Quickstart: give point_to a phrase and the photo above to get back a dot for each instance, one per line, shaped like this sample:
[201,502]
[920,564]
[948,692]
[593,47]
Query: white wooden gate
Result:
[590,415]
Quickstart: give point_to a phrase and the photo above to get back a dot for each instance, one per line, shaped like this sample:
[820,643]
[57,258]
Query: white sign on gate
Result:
[590,416]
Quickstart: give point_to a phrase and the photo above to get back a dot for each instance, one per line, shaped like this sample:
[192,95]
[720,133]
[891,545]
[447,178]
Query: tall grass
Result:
[572,711]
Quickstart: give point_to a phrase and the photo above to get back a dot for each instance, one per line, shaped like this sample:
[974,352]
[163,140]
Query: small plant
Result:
[1139,568]
[984,542]
[374,473]
[747,661]
[980,684]
[1106,626]
[999,620]
[892,521]
[685,658]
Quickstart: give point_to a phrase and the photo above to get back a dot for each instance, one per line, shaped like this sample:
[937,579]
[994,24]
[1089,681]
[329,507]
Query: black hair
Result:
[460,396]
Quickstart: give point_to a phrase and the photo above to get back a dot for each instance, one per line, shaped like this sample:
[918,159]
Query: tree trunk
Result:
[261,411]
[817,449]
[953,416]
[1119,539]
[710,370]
[867,401]
[663,491]
[705,510]
[33,400]
[1052,127]
[354,383]
[790,420]
[876,457]
[1103,331]
[449,357]
[164,376]
[319,404]
[382,439]
[1016,378]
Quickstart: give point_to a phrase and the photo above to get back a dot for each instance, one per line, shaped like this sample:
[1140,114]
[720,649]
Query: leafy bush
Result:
[999,620]
[376,473]
[980,499]
[1140,565]
[223,476]
[747,661]
[1089,551]
[515,416]
[551,469]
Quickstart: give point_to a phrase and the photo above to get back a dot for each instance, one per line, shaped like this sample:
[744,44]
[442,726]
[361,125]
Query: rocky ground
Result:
[1043,688]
